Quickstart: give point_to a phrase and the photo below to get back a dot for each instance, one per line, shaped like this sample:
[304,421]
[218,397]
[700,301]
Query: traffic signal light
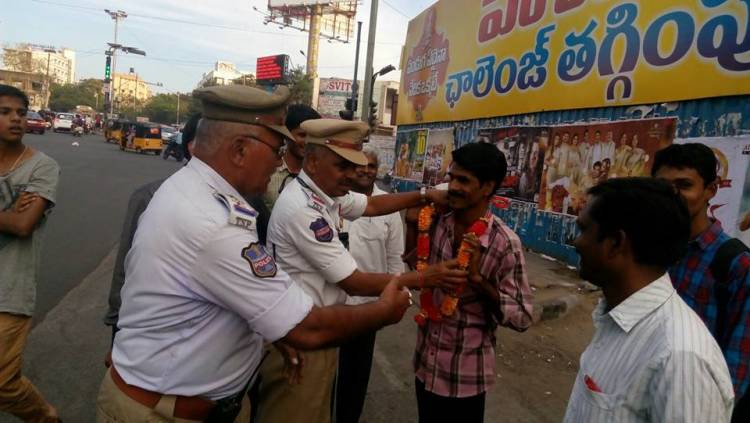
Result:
[108,69]
[373,115]
[348,114]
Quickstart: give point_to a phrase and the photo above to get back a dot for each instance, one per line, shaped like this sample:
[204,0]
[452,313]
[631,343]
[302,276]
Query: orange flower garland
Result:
[428,310]
[450,302]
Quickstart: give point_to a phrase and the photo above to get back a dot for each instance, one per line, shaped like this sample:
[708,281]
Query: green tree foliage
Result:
[301,86]
[162,108]
[87,92]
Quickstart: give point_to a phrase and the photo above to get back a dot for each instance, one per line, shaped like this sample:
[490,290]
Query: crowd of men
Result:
[250,285]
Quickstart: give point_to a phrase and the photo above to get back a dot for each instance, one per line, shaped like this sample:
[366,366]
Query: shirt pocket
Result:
[606,403]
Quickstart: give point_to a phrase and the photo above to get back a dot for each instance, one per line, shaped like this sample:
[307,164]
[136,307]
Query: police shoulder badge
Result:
[262,264]
[322,230]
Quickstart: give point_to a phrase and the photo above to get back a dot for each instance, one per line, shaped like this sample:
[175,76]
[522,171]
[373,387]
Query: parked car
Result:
[167,132]
[63,122]
[35,123]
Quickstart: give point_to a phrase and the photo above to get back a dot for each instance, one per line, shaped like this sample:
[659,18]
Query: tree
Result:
[162,108]
[301,86]
[85,93]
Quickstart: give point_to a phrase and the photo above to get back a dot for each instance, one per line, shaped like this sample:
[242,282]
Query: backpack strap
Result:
[720,267]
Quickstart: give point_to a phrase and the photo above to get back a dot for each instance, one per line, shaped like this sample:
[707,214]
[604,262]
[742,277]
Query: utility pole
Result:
[116,16]
[368,64]
[355,83]
[47,94]
[178,108]
[313,41]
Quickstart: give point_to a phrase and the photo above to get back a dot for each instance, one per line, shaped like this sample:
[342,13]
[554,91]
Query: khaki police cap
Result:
[342,136]
[243,104]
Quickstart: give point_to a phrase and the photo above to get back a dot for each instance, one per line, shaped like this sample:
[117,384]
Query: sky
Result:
[184,38]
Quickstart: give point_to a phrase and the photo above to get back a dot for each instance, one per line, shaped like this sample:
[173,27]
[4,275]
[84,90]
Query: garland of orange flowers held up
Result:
[428,310]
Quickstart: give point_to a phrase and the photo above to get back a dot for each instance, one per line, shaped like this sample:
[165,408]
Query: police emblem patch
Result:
[322,230]
[262,264]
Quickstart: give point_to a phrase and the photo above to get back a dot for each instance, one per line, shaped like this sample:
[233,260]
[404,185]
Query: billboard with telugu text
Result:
[484,58]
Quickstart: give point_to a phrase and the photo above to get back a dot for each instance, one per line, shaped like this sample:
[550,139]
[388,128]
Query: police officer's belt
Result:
[189,408]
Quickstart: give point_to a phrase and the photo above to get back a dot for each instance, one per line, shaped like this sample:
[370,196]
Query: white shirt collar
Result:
[306,181]
[636,307]
[212,178]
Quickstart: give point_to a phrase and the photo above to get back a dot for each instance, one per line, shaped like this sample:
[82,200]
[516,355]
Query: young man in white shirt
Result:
[651,358]
[377,244]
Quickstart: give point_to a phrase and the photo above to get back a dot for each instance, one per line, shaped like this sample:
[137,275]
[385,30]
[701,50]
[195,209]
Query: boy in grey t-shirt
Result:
[28,182]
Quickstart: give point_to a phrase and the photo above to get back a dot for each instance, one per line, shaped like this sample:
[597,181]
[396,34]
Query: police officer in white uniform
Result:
[306,238]
[201,293]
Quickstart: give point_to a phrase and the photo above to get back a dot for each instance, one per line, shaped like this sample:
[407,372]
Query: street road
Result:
[96,181]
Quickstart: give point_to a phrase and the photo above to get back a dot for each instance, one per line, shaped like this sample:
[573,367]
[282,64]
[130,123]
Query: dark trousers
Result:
[355,361]
[437,409]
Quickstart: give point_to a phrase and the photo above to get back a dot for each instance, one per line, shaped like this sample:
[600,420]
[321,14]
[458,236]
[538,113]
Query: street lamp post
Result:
[113,47]
[116,16]
[381,72]
[49,52]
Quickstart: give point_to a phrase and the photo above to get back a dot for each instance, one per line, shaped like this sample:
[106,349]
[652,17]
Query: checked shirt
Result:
[456,356]
[692,278]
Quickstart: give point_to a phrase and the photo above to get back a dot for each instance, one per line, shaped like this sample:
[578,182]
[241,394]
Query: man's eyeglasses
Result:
[278,151]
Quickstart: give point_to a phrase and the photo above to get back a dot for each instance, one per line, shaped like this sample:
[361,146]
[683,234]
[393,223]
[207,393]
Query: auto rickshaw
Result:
[116,130]
[145,138]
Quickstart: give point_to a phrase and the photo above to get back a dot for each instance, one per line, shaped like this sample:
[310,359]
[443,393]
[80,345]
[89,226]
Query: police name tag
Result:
[240,213]
[261,263]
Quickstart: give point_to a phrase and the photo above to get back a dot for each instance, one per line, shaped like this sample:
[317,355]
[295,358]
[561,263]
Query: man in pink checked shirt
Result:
[454,359]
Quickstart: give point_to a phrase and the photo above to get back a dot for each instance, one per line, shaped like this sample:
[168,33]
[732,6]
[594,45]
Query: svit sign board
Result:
[474,59]
[332,95]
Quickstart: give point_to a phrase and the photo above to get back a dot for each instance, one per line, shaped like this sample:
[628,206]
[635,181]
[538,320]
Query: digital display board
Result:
[272,69]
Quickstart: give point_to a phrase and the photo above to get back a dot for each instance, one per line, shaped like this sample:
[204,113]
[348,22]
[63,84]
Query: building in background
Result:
[130,90]
[226,73]
[34,85]
[57,63]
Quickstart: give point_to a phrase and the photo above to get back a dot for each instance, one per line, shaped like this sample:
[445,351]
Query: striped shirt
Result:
[651,360]
[456,356]
[695,283]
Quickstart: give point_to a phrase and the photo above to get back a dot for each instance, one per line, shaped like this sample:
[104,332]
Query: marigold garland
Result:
[450,301]
[428,310]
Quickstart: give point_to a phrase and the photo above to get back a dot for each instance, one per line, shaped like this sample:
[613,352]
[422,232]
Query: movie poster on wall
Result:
[577,157]
[438,156]
[729,205]
[410,154]
[523,148]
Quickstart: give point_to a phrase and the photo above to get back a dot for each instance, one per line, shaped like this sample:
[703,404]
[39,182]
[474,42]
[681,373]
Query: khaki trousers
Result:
[113,406]
[17,395]
[308,402]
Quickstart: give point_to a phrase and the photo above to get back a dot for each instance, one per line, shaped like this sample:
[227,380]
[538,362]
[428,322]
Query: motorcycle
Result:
[173,149]
[77,130]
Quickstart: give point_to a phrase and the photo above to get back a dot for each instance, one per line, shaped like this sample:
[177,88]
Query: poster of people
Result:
[732,200]
[384,145]
[744,224]
[523,148]
[578,157]
[410,154]
[438,156]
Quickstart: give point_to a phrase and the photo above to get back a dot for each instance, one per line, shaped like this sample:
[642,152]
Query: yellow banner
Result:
[468,59]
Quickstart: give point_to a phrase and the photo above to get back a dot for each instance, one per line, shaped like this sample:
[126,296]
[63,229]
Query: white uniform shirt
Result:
[377,244]
[201,295]
[651,360]
[303,235]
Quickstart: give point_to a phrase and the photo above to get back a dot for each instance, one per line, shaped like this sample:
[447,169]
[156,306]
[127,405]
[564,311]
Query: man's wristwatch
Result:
[423,195]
